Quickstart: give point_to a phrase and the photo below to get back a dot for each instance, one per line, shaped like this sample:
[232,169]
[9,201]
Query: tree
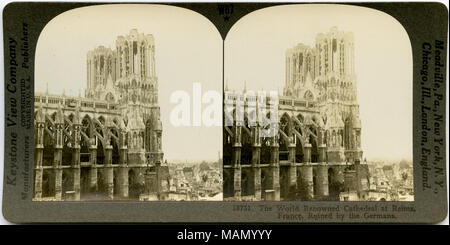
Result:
[205,177]
[404,176]
[404,164]
[204,166]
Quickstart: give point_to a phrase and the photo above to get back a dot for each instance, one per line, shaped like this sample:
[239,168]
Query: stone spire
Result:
[40,117]
[109,82]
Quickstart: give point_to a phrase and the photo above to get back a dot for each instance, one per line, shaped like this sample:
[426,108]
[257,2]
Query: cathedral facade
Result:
[315,153]
[106,144]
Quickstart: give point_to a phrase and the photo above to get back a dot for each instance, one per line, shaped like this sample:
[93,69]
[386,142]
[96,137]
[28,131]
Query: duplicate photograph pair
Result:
[158,105]
[130,106]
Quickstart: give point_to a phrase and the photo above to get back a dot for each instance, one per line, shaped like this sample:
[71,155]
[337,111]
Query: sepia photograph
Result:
[110,82]
[224,112]
[317,106]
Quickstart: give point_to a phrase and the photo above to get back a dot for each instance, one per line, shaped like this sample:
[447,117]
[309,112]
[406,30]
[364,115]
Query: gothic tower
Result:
[101,69]
[325,74]
[127,75]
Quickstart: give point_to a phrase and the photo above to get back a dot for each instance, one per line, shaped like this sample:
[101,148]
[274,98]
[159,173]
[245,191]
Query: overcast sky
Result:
[255,52]
[188,50]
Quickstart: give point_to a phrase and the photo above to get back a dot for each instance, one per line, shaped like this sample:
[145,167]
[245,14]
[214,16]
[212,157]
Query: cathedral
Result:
[316,152]
[106,144]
